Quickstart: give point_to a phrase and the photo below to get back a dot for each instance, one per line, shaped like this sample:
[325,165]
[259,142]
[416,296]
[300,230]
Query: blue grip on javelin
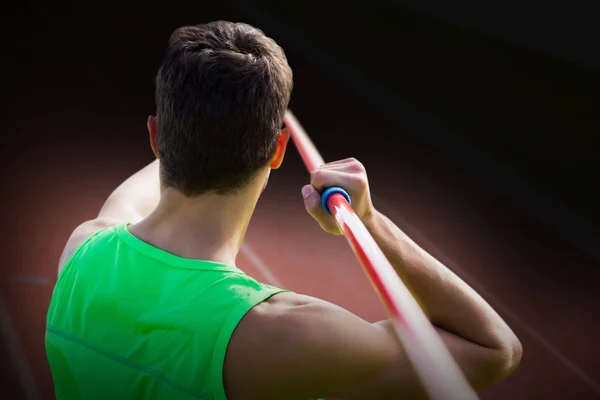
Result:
[327,193]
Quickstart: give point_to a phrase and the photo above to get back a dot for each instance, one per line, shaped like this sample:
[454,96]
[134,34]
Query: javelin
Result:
[435,366]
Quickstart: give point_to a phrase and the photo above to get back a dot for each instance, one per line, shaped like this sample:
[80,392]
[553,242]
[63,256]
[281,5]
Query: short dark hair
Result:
[221,94]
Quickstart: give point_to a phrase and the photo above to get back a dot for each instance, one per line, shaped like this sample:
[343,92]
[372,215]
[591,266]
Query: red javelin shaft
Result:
[437,369]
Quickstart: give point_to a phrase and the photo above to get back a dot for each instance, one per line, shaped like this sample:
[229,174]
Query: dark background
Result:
[478,132]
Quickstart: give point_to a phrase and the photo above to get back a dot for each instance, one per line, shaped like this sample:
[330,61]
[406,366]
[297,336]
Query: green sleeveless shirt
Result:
[130,321]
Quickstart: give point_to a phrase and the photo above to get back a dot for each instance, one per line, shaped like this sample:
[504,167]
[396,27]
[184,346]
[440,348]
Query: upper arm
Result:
[115,210]
[81,234]
[298,347]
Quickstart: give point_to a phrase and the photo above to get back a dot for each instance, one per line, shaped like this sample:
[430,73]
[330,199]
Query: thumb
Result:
[312,202]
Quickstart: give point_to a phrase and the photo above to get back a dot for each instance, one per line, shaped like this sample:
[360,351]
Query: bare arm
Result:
[315,349]
[135,198]
[448,301]
[131,201]
[296,347]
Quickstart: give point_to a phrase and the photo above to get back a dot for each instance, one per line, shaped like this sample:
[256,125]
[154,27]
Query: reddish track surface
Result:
[489,248]
[82,155]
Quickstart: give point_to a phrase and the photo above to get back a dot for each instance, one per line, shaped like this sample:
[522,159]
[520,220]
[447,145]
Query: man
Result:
[149,303]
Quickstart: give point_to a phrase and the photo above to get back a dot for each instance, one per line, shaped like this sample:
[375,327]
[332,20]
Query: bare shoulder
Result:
[81,234]
[299,347]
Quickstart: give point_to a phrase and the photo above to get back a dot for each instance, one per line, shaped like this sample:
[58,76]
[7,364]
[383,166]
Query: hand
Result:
[348,174]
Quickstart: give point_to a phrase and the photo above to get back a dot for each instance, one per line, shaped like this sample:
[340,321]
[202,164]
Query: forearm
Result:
[136,197]
[447,300]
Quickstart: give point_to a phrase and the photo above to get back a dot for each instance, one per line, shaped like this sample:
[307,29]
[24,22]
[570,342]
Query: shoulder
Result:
[259,342]
[283,317]
[82,233]
[294,346]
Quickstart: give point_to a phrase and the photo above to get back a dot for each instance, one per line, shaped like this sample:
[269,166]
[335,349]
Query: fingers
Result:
[345,161]
[348,174]
[312,202]
[342,162]
[355,168]
[348,165]
[352,182]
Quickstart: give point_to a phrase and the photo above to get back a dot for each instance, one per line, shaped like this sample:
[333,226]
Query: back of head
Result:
[221,94]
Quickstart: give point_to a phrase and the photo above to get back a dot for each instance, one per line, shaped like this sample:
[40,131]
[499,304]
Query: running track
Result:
[88,121]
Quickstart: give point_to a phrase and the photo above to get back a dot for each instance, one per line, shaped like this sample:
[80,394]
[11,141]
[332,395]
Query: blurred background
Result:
[478,125]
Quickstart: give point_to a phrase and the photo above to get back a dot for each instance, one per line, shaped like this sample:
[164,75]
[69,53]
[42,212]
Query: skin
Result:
[298,347]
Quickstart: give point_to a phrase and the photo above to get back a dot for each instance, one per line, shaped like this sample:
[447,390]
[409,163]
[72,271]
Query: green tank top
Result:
[128,320]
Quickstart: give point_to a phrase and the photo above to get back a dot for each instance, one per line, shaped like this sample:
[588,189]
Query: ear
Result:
[282,141]
[152,130]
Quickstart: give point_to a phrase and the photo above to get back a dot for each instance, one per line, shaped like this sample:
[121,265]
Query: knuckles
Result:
[358,166]
[361,182]
[354,175]
[318,177]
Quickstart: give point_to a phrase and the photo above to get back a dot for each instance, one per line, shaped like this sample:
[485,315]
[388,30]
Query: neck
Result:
[208,227]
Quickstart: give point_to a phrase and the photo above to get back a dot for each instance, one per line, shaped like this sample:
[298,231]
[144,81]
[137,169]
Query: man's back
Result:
[128,320]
